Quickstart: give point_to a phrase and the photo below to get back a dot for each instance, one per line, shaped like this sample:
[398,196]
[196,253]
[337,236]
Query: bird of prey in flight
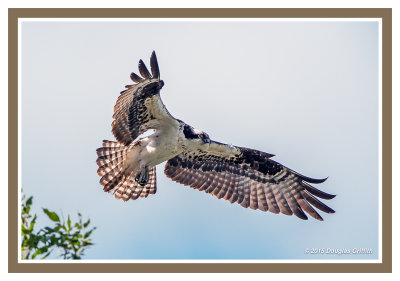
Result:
[240,175]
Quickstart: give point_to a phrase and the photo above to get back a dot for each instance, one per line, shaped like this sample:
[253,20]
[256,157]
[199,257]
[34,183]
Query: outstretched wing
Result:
[249,178]
[139,108]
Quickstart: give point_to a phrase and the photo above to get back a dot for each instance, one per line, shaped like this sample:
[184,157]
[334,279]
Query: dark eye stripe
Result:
[189,133]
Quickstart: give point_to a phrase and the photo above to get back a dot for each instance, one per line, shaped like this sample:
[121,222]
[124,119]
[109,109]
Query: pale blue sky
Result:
[305,91]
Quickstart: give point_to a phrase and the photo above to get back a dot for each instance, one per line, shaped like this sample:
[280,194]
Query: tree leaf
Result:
[29,201]
[32,224]
[87,243]
[40,251]
[49,229]
[69,223]
[52,215]
[87,234]
[24,231]
[86,223]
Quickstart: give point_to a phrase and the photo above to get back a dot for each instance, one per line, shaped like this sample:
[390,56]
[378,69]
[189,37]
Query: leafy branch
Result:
[71,239]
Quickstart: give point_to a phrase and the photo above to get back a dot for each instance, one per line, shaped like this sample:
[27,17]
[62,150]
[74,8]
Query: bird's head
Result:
[204,137]
[195,135]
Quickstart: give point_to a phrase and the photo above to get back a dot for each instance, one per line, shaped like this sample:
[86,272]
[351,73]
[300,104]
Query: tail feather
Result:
[107,164]
[111,161]
[107,143]
[105,152]
[112,179]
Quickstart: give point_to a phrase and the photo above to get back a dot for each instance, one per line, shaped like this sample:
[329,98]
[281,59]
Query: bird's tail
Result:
[115,178]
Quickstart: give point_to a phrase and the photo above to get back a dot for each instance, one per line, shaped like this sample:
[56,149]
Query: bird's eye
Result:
[202,136]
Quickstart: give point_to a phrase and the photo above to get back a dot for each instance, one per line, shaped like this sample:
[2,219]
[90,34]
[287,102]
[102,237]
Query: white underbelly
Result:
[155,155]
[159,149]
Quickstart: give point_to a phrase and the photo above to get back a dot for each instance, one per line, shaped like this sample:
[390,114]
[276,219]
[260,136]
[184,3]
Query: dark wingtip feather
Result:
[143,70]
[305,206]
[154,65]
[136,78]
[300,214]
[316,203]
[312,180]
[316,216]
[317,192]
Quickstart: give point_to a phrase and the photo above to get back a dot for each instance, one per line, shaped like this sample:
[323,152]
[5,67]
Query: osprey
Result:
[240,175]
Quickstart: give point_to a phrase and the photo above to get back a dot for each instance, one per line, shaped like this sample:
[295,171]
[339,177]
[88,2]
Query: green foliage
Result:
[71,239]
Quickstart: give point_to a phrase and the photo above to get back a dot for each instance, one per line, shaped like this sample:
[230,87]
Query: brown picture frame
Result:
[127,267]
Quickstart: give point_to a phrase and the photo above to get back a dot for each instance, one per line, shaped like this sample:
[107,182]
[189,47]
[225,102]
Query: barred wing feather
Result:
[139,107]
[250,178]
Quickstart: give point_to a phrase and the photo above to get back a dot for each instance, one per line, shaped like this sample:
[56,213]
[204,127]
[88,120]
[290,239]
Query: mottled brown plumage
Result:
[250,179]
[134,111]
[239,175]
